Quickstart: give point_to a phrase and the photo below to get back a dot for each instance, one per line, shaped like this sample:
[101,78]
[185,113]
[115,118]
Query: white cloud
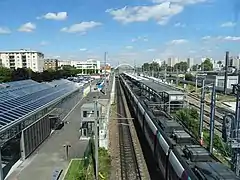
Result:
[178,41]
[179,25]
[231,38]
[4,30]
[83,49]
[180,1]
[206,37]
[228,24]
[159,12]
[55,16]
[222,38]
[151,50]
[128,47]
[81,27]
[27,27]
[43,43]
[140,38]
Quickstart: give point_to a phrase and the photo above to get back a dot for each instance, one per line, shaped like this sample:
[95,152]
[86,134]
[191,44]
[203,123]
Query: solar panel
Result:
[18,102]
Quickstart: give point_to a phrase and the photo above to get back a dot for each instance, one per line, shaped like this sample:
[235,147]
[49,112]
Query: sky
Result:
[128,30]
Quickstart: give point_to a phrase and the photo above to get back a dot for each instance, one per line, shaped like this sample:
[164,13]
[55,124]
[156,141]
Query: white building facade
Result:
[87,67]
[23,59]
[64,63]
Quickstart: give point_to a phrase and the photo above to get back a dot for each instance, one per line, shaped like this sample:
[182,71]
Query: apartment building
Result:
[64,63]
[50,64]
[23,59]
[172,61]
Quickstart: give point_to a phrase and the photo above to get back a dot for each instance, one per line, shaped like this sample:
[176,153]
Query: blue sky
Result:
[128,30]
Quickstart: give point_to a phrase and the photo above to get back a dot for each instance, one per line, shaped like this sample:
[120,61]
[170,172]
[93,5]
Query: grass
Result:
[76,170]
[104,165]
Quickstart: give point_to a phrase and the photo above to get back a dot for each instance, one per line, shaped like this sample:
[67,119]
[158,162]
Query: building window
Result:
[84,113]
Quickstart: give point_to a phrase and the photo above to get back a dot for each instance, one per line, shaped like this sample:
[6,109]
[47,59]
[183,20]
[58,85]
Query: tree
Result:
[169,68]
[189,77]
[5,74]
[181,66]
[207,65]
[145,67]
[195,67]
[20,74]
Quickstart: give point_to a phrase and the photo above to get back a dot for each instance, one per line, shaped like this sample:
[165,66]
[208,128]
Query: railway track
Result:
[128,159]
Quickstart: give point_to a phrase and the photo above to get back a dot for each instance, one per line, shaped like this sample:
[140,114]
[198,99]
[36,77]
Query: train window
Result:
[150,136]
[161,154]
[172,174]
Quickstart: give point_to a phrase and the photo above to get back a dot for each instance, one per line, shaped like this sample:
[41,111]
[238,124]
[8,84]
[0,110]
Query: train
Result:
[177,154]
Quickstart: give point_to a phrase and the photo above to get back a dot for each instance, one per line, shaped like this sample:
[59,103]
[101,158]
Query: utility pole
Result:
[235,142]
[105,68]
[96,138]
[165,73]
[226,71]
[202,112]
[196,83]
[212,117]
[177,78]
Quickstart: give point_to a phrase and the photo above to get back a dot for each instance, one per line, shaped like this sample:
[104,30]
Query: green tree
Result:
[181,66]
[146,67]
[189,77]
[207,65]
[195,67]
[5,74]
[169,68]
[20,74]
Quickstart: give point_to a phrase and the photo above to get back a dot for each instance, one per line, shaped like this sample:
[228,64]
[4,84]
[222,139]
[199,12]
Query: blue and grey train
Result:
[169,155]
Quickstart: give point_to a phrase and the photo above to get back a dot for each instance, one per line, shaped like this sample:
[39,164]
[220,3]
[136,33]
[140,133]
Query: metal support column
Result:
[177,79]
[235,129]
[1,169]
[226,71]
[22,146]
[96,139]
[212,118]
[200,133]
[105,68]
[196,84]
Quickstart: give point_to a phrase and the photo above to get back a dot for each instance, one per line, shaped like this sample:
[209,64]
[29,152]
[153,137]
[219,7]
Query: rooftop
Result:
[21,98]
[20,51]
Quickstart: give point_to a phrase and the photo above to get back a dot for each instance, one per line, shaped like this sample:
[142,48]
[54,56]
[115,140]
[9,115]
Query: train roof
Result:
[195,157]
